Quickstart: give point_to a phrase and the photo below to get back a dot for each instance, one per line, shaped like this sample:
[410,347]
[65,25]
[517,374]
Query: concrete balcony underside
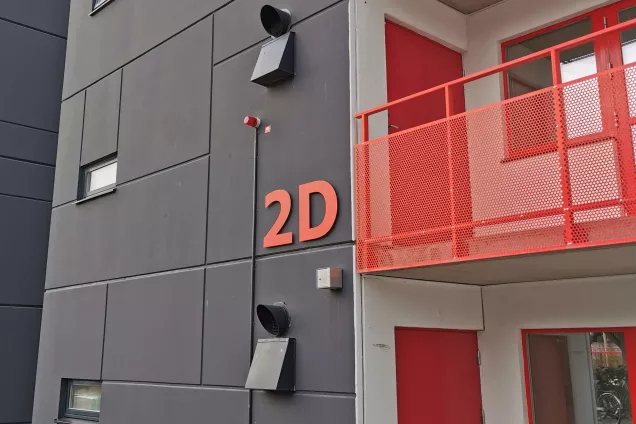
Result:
[575,263]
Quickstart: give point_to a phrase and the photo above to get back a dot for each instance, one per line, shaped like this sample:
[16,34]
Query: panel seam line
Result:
[32,28]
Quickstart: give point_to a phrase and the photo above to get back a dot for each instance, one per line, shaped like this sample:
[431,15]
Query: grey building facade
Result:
[32,43]
[148,286]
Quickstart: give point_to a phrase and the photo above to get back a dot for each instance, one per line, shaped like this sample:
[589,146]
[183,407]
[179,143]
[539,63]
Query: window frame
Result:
[65,399]
[97,5]
[83,192]
[596,19]
[630,357]
[595,16]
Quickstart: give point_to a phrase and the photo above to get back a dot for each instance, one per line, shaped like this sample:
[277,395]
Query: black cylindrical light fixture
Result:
[276,21]
[274,318]
[276,62]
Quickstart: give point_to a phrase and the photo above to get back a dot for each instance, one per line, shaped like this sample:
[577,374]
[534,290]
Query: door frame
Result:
[388,303]
[630,356]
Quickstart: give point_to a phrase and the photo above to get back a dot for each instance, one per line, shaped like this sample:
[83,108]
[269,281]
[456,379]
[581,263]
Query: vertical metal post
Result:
[365,128]
[561,133]
[363,183]
[451,170]
[253,262]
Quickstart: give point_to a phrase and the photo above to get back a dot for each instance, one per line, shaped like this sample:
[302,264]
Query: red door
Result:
[416,63]
[437,377]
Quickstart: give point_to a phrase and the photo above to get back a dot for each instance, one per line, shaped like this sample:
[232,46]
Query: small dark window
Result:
[82,399]
[99,177]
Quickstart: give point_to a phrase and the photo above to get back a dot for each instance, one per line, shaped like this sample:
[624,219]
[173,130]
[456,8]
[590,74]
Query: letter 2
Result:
[273,237]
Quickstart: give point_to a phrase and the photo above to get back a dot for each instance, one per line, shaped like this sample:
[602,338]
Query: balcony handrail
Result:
[551,51]
[620,129]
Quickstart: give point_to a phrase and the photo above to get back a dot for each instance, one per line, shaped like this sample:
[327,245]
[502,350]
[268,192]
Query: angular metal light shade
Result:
[273,366]
[276,62]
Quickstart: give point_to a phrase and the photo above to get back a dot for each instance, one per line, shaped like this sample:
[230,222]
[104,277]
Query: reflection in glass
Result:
[536,75]
[579,378]
[578,67]
[102,177]
[580,99]
[85,397]
[628,47]
[628,38]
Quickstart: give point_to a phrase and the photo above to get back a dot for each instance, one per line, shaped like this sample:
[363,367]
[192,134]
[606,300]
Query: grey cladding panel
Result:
[231,161]
[226,342]
[165,107]
[136,403]
[153,329]
[26,143]
[24,179]
[30,95]
[69,148]
[322,320]
[24,235]
[70,344]
[123,31]
[19,331]
[46,15]
[310,138]
[101,121]
[303,408]
[151,225]
[239,25]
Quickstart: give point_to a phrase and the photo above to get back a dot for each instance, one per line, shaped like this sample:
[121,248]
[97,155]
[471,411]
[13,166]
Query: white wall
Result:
[583,303]
[388,303]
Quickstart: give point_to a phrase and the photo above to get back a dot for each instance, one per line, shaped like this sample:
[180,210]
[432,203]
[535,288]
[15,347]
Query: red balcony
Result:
[547,172]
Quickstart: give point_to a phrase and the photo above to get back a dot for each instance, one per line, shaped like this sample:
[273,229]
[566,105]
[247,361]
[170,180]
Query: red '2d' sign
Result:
[305,231]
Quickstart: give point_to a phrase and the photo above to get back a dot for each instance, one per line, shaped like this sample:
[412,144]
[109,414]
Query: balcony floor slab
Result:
[575,263]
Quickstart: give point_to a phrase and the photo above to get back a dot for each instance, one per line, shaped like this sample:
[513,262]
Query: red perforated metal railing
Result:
[547,171]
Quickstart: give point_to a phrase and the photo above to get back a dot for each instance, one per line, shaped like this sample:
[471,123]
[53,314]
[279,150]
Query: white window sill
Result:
[96,195]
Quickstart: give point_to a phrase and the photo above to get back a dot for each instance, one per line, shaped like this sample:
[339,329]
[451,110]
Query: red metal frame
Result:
[630,347]
[596,26]
[607,55]
[613,132]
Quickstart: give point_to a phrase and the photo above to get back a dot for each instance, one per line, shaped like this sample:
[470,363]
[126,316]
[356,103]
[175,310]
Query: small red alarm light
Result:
[252,121]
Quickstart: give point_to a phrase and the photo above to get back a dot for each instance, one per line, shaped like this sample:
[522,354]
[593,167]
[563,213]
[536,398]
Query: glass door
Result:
[575,63]
[579,377]
[619,13]
[622,51]
[628,38]
[622,47]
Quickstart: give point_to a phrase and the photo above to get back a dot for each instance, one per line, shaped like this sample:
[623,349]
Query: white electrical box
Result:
[329,278]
